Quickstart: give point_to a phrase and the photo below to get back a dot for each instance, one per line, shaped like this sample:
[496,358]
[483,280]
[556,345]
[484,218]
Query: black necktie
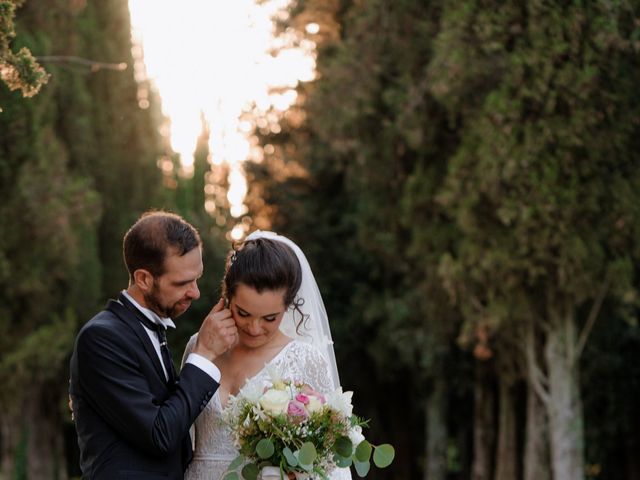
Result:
[162,337]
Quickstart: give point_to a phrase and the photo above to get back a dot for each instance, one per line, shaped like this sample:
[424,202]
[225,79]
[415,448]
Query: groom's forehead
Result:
[188,265]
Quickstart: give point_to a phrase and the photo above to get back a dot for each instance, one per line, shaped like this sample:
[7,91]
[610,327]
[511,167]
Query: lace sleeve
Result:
[188,349]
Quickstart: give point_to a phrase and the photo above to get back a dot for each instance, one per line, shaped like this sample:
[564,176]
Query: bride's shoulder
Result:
[299,349]
[299,346]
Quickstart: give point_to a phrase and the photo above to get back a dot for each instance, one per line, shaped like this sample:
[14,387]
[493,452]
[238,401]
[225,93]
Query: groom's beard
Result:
[154,303]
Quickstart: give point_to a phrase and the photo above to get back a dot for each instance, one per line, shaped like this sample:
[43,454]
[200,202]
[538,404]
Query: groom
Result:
[132,411]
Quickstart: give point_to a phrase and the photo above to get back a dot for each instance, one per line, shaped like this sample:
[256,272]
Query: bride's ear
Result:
[143,279]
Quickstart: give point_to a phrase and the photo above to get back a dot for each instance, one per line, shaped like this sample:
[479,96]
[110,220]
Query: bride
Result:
[282,324]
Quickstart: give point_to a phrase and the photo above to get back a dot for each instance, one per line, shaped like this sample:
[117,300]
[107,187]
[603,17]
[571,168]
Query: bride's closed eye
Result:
[268,318]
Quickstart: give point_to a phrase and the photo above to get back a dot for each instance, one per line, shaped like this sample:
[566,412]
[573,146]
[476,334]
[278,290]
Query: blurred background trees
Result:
[462,175]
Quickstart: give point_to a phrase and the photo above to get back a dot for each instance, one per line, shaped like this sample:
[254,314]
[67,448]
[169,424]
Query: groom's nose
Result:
[194,291]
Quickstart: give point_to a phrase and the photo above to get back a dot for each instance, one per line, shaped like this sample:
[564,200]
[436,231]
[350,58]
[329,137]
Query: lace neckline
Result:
[266,364]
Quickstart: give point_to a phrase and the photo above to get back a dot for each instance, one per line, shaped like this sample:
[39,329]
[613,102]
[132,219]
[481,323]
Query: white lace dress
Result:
[213,444]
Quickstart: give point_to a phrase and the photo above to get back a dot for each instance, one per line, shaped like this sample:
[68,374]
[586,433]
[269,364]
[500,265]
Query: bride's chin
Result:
[251,340]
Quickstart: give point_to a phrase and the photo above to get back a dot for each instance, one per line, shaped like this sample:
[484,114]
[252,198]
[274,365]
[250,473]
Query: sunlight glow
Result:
[217,58]
[312,28]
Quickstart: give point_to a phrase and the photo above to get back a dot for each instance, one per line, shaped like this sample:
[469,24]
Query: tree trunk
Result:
[8,443]
[565,405]
[506,451]
[437,433]
[632,460]
[536,448]
[484,422]
[45,452]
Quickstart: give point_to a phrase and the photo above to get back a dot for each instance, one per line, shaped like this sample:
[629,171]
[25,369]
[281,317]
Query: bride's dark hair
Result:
[264,264]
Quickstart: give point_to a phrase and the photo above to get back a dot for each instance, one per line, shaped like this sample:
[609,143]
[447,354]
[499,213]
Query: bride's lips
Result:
[250,335]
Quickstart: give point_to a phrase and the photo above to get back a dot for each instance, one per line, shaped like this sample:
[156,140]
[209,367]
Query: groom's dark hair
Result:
[148,242]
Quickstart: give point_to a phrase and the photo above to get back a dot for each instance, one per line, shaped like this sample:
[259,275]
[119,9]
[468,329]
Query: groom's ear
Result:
[143,279]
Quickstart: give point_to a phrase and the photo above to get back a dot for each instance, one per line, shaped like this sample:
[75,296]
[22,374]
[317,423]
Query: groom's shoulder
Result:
[106,320]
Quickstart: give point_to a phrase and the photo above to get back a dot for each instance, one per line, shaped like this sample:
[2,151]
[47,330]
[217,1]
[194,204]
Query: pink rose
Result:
[302,398]
[307,390]
[296,409]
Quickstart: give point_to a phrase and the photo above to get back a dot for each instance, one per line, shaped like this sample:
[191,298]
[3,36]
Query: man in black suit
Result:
[132,412]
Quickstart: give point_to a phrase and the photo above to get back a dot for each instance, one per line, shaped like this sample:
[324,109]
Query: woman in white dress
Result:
[282,323]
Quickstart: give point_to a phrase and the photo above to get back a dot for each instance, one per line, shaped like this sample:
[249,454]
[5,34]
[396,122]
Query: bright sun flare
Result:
[212,57]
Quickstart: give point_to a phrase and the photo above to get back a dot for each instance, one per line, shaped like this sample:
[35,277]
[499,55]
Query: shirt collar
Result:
[150,314]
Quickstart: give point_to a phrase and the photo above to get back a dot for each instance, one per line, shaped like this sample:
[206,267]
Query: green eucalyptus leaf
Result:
[250,471]
[231,476]
[362,468]
[265,448]
[343,446]
[363,451]
[383,455]
[239,460]
[291,458]
[342,462]
[307,454]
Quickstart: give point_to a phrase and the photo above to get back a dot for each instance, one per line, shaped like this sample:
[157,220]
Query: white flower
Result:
[274,401]
[252,391]
[258,413]
[340,401]
[355,435]
[314,405]
[247,421]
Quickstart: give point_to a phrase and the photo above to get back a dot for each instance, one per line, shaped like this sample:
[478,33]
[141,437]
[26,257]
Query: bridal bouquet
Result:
[295,429]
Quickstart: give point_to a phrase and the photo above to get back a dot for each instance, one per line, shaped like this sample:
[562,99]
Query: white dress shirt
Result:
[197,360]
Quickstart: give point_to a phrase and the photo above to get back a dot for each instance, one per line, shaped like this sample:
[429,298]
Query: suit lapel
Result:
[130,319]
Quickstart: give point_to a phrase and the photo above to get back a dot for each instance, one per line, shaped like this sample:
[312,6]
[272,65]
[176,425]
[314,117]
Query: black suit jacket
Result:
[130,423]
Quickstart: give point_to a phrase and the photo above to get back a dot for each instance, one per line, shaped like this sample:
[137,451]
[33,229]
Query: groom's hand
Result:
[218,332]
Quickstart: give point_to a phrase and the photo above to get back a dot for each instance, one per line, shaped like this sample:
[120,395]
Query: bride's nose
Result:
[254,326]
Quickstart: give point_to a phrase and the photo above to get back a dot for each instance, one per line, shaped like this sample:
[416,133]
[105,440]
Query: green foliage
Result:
[363,451]
[461,171]
[77,166]
[19,71]
[383,455]
[362,468]
[265,448]
[29,362]
[343,446]
[307,455]
[250,471]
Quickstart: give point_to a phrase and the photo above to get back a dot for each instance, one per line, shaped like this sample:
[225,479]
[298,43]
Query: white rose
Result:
[314,405]
[274,401]
[355,435]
